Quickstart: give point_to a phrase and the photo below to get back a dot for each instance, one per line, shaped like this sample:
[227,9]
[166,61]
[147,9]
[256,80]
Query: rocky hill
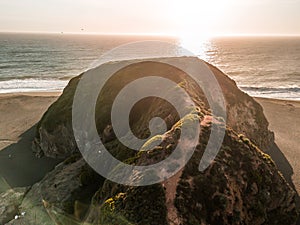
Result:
[241,186]
[55,135]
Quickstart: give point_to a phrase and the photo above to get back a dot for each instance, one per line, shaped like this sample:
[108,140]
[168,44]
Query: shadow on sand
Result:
[19,166]
[285,168]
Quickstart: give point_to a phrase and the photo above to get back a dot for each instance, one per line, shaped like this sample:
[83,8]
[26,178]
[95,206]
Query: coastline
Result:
[19,112]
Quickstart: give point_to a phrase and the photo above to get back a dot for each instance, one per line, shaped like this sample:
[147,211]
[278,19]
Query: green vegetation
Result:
[151,143]
[240,172]
[109,216]
[137,205]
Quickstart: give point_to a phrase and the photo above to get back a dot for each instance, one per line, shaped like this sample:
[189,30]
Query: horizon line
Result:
[154,34]
[88,33]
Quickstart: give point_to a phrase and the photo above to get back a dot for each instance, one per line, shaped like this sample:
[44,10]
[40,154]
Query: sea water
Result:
[261,66]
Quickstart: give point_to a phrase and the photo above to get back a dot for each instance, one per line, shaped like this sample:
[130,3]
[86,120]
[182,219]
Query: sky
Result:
[176,17]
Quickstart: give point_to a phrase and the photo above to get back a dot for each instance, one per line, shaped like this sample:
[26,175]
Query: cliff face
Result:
[245,115]
[241,186]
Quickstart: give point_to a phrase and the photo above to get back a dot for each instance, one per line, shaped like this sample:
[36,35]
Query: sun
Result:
[196,21]
[197,17]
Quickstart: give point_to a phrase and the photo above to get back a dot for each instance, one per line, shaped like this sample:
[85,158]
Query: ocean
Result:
[262,66]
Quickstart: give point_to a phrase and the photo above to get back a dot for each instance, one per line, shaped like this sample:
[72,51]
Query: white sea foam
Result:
[31,85]
[288,93]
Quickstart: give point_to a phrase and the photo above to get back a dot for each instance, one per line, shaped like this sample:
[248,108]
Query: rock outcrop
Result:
[54,136]
[241,186]
[63,195]
[10,202]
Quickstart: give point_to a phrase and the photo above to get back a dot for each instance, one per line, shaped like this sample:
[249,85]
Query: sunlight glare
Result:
[197,16]
[196,22]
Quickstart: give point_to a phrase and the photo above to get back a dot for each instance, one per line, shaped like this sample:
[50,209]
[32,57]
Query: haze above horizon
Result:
[189,18]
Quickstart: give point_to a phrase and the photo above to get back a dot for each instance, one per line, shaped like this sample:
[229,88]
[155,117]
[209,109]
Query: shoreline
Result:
[58,93]
[19,113]
[32,94]
[276,99]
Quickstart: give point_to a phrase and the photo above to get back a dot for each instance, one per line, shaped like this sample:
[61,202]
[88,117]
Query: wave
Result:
[32,77]
[271,89]
[32,85]
[271,92]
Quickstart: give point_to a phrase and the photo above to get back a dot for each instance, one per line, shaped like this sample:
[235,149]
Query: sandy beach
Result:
[20,112]
[284,120]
